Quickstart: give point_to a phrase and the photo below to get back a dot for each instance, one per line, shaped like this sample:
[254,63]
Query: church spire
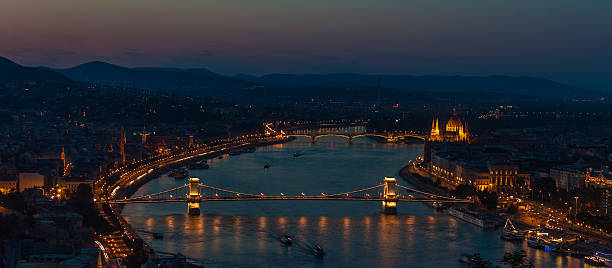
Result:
[144,135]
[122,143]
[434,134]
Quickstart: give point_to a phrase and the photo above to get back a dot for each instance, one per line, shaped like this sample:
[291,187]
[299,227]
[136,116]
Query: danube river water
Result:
[353,233]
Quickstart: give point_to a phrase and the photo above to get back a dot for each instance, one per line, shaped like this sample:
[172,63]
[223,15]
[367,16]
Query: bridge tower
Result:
[389,204]
[193,198]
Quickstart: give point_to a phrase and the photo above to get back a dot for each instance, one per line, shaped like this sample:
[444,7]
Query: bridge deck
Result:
[273,198]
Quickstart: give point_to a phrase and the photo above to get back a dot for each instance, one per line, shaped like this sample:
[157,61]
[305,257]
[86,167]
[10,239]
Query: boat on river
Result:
[249,149]
[317,251]
[469,260]
[595,260]
[286,239]
[535,244]
[179,174]
[199,165]
[471,217]
[510,233]
[440,205]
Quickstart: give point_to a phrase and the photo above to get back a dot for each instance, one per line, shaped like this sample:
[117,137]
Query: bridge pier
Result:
[194,199]
[314,139]
[389,204]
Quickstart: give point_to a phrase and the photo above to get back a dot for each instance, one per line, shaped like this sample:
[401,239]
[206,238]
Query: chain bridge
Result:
[389,193]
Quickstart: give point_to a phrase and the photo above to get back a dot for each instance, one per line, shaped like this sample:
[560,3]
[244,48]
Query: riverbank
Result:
[523,221]
[131,189]
[410,175]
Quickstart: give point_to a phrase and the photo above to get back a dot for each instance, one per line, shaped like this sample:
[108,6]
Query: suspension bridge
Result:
[194,192]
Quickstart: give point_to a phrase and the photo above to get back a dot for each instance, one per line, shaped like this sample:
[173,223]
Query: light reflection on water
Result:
[352,233]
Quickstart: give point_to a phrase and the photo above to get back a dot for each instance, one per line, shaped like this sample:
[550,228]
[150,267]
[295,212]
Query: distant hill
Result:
[266,95]
[529,86]
[203,82]
[15,73]
[202,71]
[175,80]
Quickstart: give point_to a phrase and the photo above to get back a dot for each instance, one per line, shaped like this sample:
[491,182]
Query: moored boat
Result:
[249,149]
[471,217]
[440,205]
[595,260]
[535,244]
[199,165]
[179,174]
[510,233]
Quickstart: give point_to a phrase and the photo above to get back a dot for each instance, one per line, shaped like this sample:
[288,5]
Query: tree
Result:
[512,209]
[10,226]
[546,185]
[82,202]
[14,201]
[138,256]
[517,259]
[488,199]
[464,190]
[492,200]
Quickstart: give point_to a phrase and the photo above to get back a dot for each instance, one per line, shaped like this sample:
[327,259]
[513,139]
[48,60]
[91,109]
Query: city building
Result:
[454,131]
[569,177]
[599,178]
[72,183]
[8,185]
[606,195]
[474,165]
[29,180]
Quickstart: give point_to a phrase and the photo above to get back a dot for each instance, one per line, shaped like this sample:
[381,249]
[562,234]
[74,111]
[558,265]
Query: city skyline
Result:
[293,133]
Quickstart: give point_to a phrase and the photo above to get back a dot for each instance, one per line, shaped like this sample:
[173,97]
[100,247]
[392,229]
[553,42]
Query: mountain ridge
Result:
[176,80]
[204,82]
[12,72]
[525,85]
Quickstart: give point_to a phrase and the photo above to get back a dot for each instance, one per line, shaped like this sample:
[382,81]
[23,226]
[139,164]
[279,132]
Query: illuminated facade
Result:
[599,178]
[483,175]
[503,177]
[435,131]
[7,186]
[455,130]
[389,204]
[194,198]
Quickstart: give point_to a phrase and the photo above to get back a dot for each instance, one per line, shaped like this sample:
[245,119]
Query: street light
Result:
[576,214]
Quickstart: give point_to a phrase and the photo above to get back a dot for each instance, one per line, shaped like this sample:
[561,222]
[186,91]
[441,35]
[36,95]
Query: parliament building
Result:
[455,130]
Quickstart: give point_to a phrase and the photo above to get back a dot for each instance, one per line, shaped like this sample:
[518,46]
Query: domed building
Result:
[455,130]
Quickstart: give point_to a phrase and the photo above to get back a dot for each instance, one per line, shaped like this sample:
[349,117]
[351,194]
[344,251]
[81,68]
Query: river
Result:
[353,233]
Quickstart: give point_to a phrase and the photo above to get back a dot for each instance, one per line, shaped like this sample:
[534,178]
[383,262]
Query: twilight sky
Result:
[565,40]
